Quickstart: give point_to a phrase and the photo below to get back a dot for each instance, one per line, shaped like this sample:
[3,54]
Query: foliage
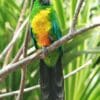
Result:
[84,85]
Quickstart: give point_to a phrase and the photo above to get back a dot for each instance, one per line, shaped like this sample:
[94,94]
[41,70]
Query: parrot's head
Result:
[45,2]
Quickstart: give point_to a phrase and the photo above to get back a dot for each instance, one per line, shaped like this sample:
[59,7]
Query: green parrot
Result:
[44,31]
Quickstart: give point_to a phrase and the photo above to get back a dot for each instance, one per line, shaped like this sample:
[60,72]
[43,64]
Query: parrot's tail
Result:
[51,81]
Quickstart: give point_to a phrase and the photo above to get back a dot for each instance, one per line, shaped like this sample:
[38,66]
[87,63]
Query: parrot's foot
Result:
[45,52]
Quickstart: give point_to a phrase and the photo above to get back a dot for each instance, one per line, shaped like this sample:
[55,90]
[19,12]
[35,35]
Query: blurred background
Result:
[85,85]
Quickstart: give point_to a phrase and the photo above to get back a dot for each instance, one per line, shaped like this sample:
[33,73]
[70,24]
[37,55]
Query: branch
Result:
[24,67]
[14,39]
[8,51]
[78,69]
[23,71]
[68,37]
[16,92]
[20,21]
[77,11]
[38,86]
[12,67]
[18,55]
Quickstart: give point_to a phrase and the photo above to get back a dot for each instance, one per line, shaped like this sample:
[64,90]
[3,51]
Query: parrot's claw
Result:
[45,52]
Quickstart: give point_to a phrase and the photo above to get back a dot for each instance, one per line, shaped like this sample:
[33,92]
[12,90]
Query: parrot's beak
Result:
[45,2]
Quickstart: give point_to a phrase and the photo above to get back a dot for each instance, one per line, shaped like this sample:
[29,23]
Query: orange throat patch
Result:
[43,40]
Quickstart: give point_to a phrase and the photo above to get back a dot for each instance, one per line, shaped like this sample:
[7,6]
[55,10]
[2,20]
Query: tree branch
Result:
[77,11]
[16,92]
[18,55]
[12,67]
[86,65]
[20,21]
[24,67]
[14,39]
[23,70]
[78,69]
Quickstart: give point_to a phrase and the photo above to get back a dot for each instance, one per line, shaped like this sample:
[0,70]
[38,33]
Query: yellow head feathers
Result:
[40,23]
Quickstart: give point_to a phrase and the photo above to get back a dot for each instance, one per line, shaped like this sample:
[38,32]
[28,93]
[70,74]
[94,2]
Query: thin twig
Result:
[86,65]
[14,39]
[6,60]
[78,69]
[18,55]
[12,67]
[77,11]
[16,92]
[24,67]
[20,21]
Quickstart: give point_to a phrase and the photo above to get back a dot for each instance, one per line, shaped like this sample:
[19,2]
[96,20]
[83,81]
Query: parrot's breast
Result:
[43,40]
[41,25]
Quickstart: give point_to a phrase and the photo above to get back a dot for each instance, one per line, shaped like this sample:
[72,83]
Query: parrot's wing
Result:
[33,38]
[57,32]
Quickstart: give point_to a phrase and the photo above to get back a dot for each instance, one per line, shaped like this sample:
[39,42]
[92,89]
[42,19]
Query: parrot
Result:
[44,30]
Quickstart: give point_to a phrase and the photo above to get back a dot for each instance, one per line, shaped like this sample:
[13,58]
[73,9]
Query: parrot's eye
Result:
[45,2]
